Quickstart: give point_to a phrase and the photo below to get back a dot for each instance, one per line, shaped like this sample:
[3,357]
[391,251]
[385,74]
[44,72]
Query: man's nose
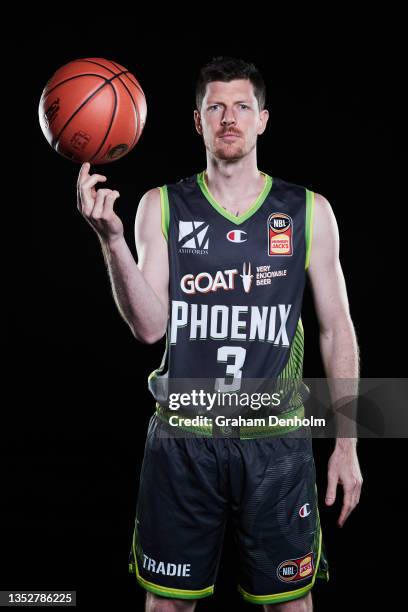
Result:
[228,118]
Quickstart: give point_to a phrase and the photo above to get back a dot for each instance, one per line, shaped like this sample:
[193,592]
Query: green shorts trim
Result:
[162,590]
[288,595]
[161,516]
[278,598]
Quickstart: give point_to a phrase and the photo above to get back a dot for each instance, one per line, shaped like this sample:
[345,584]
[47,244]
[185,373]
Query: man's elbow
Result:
[153,339]
[148,338]
[339,327]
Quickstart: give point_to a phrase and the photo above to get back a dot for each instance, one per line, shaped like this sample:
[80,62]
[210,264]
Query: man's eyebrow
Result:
[237,102]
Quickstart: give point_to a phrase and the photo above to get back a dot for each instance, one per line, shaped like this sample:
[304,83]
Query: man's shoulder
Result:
[187,181]
[285,188]
[322,206]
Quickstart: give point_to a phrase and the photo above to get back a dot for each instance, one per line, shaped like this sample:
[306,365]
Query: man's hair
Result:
[224,68]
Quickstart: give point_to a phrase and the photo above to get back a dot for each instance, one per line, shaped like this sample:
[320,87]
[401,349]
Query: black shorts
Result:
[265,486]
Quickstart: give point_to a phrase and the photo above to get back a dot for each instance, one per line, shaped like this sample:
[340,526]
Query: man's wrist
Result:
[346,443]
[112,244]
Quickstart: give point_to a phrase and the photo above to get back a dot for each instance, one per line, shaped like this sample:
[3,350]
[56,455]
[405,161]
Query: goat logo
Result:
[247,277]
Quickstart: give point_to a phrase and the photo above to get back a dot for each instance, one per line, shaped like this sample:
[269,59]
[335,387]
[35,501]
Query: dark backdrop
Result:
[72,455]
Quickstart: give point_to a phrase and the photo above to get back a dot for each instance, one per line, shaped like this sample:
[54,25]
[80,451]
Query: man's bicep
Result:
[151,245]
[325,273]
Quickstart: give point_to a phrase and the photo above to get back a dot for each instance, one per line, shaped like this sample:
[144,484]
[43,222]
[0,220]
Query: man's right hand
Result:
[97,206]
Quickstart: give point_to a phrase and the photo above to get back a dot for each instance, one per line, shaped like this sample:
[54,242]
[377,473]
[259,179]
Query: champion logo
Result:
[305,510]
[193,235]
[237,236]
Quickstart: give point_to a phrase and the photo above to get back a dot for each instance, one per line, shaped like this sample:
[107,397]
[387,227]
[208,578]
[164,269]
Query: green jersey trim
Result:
[309,224]
[165,211]
[160,369]
[225,213]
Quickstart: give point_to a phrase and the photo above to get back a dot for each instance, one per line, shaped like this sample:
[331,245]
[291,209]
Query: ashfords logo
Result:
[193,237]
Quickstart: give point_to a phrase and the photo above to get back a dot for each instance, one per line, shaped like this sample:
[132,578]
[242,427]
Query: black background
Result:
[72,453]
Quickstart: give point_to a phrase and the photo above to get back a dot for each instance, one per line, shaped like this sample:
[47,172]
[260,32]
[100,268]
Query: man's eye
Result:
[213,106]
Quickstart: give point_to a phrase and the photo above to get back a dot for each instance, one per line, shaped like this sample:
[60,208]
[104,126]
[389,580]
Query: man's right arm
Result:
[140,290]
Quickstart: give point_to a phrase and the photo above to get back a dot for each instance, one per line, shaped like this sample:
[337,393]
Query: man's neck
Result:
[233,186]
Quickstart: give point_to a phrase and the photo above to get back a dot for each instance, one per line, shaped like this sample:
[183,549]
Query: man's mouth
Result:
[229,136]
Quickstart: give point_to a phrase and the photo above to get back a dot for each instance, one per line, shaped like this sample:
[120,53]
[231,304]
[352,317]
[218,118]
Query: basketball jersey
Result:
[236,285]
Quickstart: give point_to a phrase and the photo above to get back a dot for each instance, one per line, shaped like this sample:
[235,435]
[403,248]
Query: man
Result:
[195,240]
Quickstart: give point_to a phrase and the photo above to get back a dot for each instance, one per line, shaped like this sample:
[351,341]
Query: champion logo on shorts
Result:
[293,570]
[305,510]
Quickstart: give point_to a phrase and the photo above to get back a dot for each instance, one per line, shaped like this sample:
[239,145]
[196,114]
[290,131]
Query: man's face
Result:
[230,108]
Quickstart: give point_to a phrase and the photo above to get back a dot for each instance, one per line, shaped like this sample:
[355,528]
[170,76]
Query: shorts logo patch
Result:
[293,570]
[280,234]
[167,569]
[287,571]
[305,510]
[306,566]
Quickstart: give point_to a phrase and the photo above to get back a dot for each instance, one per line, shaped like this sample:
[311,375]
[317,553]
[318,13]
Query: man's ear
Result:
[197,121]
[264,116]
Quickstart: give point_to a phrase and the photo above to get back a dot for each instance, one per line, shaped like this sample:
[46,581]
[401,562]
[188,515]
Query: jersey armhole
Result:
[165,211]
[309,225]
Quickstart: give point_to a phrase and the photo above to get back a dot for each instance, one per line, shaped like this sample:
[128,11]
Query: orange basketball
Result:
[92,110]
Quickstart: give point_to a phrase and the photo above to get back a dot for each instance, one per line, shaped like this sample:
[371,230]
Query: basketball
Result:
[92,110]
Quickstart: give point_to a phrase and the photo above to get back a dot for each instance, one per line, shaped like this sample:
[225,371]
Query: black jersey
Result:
[236,284]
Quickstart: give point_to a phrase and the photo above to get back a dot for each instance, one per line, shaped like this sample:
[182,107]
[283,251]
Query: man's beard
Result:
[231,152]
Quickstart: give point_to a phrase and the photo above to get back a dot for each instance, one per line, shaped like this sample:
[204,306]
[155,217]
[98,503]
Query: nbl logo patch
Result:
[293,570]
[280,234]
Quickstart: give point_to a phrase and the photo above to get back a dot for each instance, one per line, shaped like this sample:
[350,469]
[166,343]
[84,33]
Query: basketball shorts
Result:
[189,487]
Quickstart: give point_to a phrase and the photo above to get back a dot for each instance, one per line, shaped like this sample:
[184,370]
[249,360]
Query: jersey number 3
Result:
[233,370]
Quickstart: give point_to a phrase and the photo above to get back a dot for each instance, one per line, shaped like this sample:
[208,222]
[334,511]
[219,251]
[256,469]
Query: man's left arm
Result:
[338,346]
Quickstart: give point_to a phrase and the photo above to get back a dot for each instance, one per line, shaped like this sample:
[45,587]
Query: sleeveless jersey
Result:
[236,285]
